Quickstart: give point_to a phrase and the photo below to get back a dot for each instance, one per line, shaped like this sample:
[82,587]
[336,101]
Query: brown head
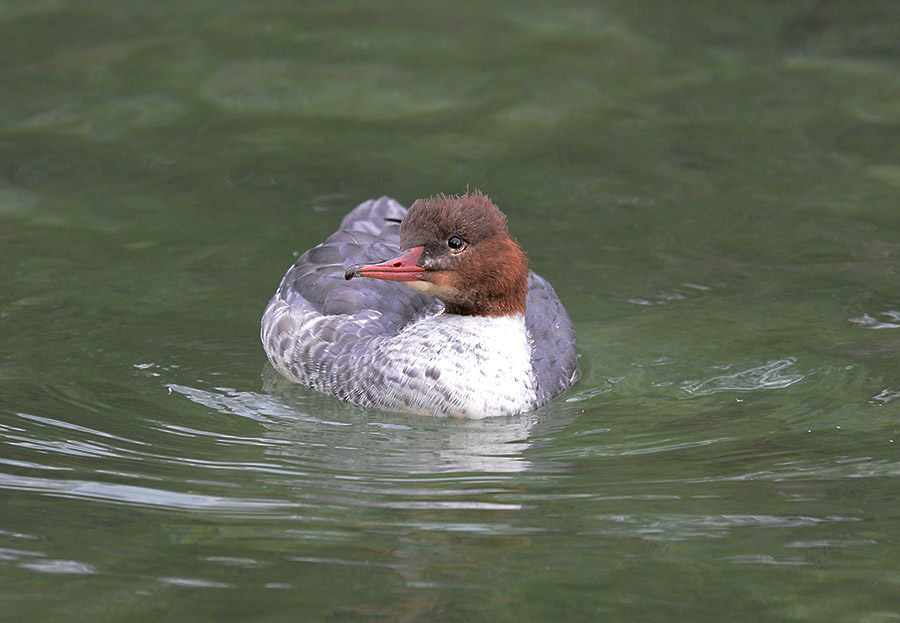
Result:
[458,249]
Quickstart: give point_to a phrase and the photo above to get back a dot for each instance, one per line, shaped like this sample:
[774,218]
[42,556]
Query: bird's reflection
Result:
[425,500]
[319,430]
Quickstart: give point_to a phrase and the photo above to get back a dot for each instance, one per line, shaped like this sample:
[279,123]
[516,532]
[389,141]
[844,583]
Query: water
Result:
[711,189]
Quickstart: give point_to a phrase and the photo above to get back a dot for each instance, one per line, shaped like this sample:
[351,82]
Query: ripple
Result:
[815,470]
[830,543]
[682,527]
[70,447]
[768,376]
[886,395]
[38,561]
[75,427]
[687,290]
[349,562]
[10,553]
[194,583]
[245,404]
[18,535]
[766,559]
[669,447]
[606,386]
[66,567]
[891,321]
[231,561]
[138,496]
[33,465]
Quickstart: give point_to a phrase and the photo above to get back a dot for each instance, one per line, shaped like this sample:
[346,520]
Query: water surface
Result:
[712,190]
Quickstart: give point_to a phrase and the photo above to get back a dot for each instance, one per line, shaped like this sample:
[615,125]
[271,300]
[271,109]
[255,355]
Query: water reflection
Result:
[405,498]
[319,430]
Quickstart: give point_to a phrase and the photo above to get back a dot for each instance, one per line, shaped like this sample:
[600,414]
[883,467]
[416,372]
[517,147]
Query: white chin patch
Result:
[426,287]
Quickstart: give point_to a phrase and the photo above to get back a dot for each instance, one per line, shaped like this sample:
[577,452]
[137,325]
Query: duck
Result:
[431,311]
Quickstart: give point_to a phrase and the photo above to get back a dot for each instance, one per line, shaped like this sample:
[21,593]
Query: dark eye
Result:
[456,243]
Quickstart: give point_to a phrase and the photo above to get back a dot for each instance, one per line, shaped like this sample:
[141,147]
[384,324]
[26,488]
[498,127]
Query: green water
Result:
[712,189]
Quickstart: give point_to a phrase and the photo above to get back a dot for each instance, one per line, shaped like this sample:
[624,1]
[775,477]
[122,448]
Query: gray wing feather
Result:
[368,234]
[553,355]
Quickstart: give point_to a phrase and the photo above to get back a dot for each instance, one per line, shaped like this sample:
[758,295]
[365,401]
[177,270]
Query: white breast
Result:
[463,366]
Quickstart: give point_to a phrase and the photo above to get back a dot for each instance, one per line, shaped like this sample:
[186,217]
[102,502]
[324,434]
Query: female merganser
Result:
[474,334]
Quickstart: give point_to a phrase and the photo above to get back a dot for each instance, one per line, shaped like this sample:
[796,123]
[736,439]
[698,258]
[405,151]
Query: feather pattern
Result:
[378,344]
